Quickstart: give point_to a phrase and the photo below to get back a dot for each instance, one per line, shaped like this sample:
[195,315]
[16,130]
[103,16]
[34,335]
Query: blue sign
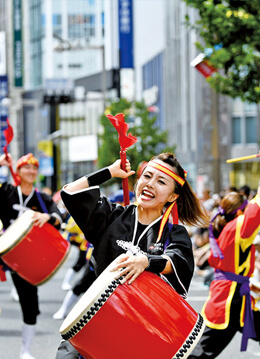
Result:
[125,22]
[46,166]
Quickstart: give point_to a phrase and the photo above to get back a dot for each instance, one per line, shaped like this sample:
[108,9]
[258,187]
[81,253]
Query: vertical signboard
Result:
[125,21]
[18,45]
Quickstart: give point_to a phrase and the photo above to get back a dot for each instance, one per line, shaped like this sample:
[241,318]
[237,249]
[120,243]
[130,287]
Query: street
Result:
[47,336]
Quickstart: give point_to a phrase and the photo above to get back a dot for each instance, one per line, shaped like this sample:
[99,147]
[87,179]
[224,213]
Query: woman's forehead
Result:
[27,166]
[157,171]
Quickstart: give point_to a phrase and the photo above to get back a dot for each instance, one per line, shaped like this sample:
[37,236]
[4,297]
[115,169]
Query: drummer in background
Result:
[13,202]
[139,236]
[229,307]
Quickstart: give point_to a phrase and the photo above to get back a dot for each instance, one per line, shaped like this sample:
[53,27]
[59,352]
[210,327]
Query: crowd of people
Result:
[167,229]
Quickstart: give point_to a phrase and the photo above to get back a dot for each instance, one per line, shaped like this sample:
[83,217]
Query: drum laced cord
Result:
[192,339]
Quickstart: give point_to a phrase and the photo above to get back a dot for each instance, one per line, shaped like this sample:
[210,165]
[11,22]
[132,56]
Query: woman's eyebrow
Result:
[164,177]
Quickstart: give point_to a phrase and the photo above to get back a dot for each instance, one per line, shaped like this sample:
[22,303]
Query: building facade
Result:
[77,49]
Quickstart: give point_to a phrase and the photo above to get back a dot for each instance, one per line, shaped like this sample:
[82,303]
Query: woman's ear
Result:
[173,197]
[239,212]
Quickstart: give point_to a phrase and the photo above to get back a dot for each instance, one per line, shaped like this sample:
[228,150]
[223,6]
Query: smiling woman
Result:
[130,230]
[141,237]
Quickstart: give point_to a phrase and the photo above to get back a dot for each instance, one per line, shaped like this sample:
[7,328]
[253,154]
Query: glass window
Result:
[236,130]
[250,107]
[81,25]
[251,130]
[56,20]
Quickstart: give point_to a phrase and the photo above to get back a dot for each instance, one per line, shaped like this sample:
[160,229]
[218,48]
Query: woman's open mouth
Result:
[147,194]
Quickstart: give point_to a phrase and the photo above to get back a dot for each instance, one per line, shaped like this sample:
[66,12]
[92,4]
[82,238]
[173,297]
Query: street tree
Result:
[142,124]
[230,30]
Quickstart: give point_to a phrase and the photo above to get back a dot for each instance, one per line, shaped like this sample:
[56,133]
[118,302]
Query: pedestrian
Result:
[14,200]
[245,191]
[139,235]
[229,308]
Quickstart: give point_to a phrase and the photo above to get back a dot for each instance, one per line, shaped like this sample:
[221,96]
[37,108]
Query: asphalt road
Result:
[47,336]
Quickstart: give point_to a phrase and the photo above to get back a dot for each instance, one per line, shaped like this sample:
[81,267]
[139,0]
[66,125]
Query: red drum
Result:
[34,253]
[147,319]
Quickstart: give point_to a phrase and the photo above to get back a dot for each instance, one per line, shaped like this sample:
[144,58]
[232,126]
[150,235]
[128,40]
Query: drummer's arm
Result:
[159,264]
[101,176]
[55,221]
[79,184]
[168,267]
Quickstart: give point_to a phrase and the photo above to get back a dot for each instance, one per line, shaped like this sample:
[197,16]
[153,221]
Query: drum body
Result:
[34,253]
[147,319]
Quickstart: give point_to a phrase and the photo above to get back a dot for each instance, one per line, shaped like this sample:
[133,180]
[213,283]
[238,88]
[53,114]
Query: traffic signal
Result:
[116,81]
[57,98]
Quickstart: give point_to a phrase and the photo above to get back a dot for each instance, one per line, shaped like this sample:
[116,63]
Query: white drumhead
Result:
[16,231]
[89,298]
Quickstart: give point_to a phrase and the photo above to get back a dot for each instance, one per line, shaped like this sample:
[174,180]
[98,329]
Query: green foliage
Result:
[151,140]
[235,25]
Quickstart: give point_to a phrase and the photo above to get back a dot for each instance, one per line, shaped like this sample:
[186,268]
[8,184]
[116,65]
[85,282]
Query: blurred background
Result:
[191,68]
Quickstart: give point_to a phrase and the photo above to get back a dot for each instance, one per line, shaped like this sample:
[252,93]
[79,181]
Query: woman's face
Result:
[28,173]
[155,188]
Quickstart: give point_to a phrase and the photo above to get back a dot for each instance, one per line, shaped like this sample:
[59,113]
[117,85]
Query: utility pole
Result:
[215,141]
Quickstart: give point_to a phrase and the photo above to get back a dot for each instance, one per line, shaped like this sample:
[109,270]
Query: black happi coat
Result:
[9,197]
[112,229]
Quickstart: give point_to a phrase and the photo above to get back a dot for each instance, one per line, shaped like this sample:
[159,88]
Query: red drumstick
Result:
[125,141]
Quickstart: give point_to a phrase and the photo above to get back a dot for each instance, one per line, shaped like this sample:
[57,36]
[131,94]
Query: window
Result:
[244,123]
[236,130]
[251,129]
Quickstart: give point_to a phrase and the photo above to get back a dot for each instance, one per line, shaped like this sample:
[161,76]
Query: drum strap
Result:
[41,201]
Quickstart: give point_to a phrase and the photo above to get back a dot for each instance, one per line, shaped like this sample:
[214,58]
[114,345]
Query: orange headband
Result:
[167,171]
[28,159]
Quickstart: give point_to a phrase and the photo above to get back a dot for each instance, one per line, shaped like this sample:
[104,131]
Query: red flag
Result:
[125,141]
[9,134]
